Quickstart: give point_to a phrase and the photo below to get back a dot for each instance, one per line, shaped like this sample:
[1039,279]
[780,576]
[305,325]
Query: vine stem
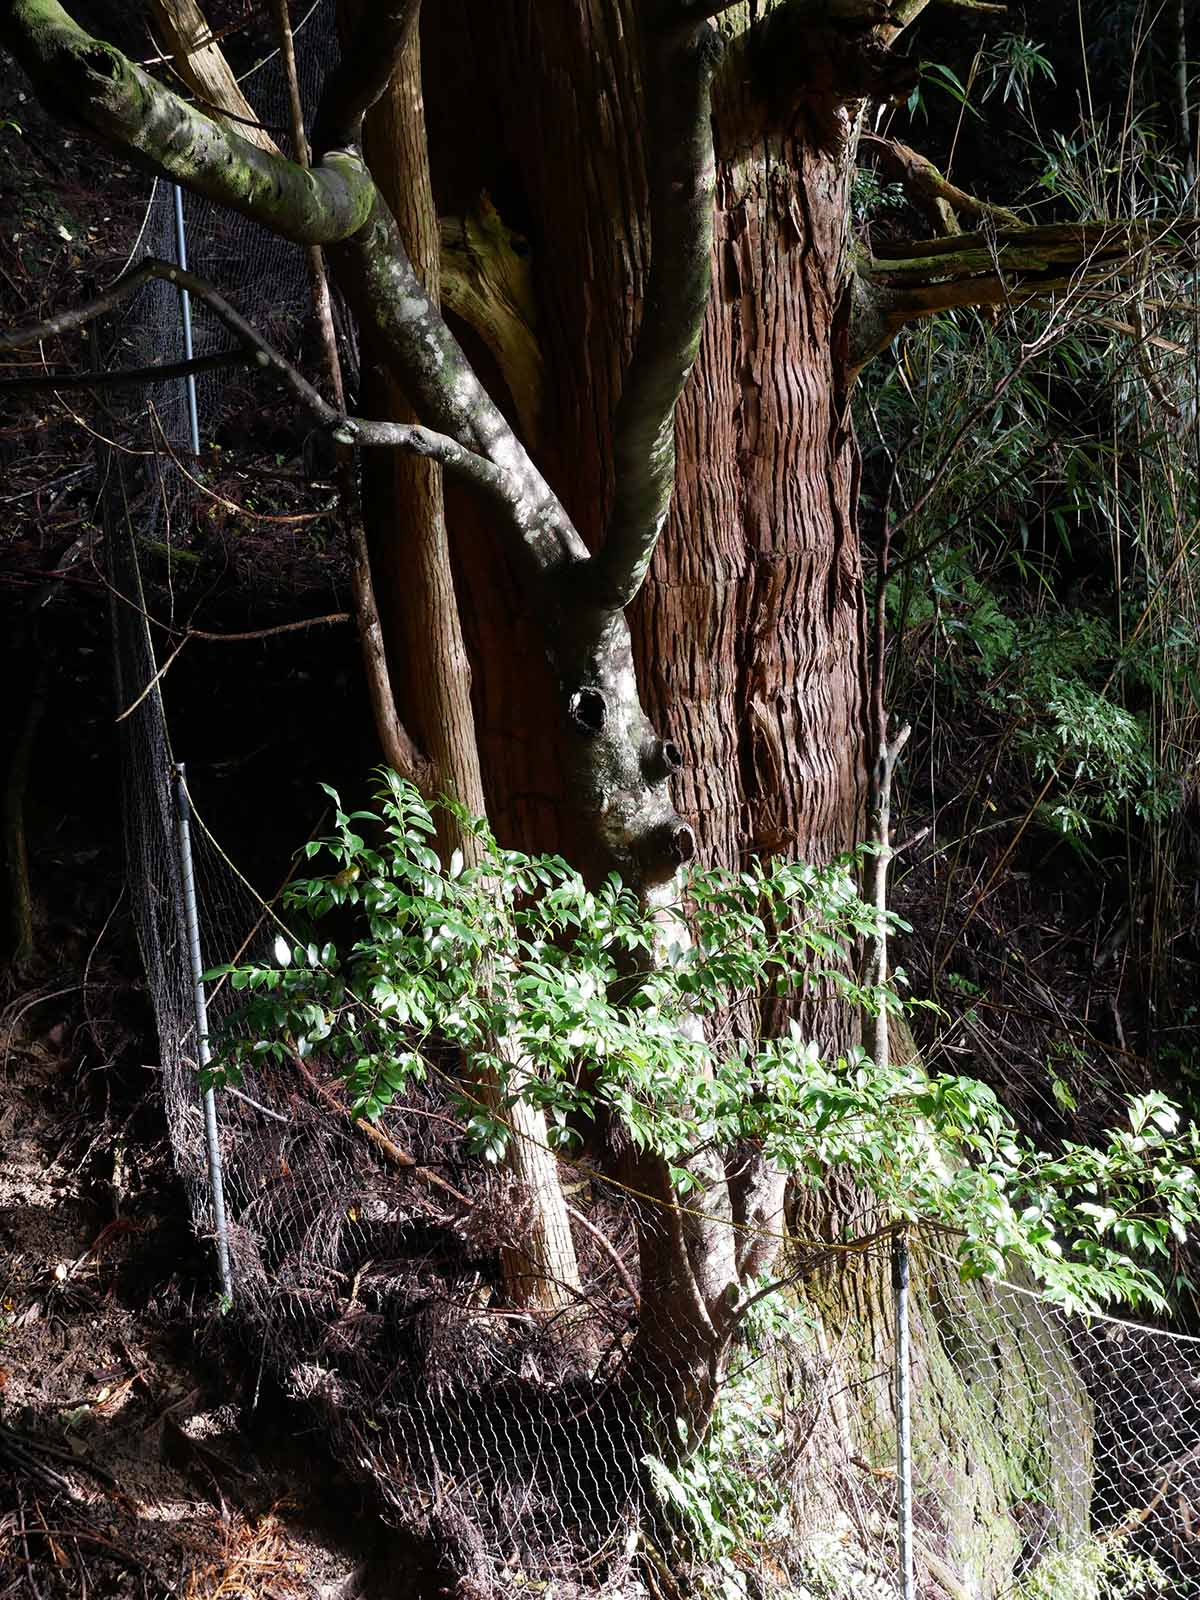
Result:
[887,751]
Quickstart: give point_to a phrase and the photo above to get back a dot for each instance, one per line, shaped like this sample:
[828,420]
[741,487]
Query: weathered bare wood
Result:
[489,285]
[410,550]
[200,62]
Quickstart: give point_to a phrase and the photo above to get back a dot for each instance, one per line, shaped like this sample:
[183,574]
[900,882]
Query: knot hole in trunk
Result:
[661,760]
[588,710]
[667,848]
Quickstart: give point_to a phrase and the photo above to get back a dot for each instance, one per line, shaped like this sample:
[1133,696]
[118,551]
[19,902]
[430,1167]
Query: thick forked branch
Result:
[127,109]
[819,53]
[679,64]
[384,291]
[336,200]
[619,765]
[1007,267]
[814,54]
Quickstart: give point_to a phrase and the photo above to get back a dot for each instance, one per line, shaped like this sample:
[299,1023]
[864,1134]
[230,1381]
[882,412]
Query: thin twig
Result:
[154,681]
[129,377]
[378,1138]
[269,633]
[484,474]
[609,1249]
[238,1094]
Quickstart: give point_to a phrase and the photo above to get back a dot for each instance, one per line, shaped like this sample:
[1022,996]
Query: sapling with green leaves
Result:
[449,954]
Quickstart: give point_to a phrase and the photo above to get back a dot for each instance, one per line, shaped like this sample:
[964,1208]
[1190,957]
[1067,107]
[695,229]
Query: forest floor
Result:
[136,1459]
[140,1455]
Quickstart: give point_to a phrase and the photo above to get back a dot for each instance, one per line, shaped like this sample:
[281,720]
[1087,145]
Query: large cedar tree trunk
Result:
[749,633]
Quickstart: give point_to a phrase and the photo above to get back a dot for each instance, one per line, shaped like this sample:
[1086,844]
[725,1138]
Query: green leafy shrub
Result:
[591,991]
[728,1498]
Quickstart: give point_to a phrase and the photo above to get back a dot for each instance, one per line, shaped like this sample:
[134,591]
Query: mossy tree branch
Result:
[620,766]
[126,109]
[1007,266]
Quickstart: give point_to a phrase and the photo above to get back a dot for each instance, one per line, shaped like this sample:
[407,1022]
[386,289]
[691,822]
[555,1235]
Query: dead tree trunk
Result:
[431,675]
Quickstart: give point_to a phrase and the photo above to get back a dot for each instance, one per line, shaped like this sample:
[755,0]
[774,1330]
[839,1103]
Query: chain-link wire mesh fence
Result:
[1062,1450]
[1052,1458]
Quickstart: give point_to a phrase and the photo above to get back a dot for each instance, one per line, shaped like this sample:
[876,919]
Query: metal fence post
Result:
[904,1518]
[203,1054]
[185,311]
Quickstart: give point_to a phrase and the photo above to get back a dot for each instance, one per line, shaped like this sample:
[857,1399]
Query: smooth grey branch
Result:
[347,430]
[679,64]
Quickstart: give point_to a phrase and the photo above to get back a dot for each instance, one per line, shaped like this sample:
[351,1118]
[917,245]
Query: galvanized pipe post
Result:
[212,1138]
[185,309]
[904,1519]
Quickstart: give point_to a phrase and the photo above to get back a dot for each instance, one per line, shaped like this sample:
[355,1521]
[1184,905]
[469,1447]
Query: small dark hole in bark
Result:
[588,710]
[667,847]
[102,62]
[683,844]
[660,759]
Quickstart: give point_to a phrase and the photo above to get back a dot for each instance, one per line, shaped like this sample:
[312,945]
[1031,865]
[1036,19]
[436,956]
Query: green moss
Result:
[994,1395]
[127,109]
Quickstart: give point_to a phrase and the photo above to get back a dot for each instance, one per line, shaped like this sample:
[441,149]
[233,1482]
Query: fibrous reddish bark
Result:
[749,631]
